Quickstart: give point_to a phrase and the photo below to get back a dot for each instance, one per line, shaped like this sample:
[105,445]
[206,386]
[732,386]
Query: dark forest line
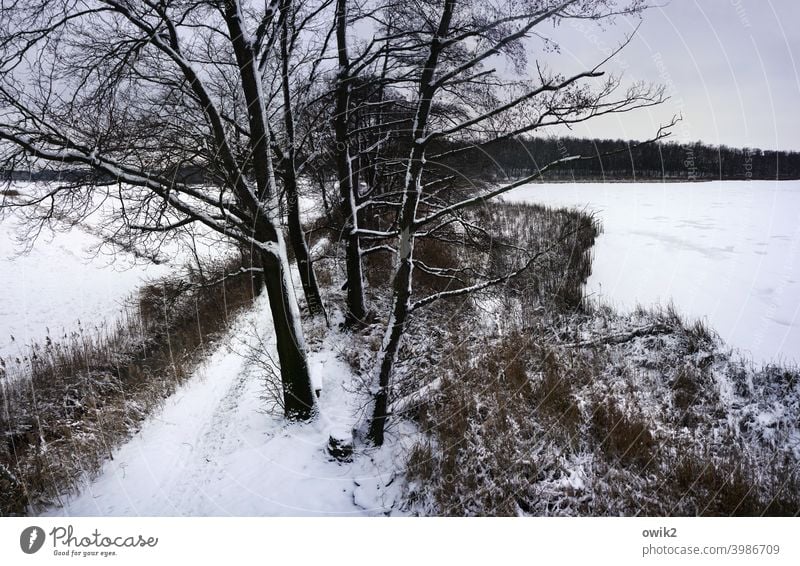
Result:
[625,160]
[615,160]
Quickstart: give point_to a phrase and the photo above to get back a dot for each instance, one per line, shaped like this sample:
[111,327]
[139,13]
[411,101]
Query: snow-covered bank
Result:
[598,414]
[213,450]
[68,281]
[48,291]
[726,252]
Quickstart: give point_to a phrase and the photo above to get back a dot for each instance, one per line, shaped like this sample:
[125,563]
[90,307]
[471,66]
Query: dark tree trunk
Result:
[298,397]
[356,309]
[325,204]
[388,355]
[297,237]
[402,284]
[299,400]
[257,279]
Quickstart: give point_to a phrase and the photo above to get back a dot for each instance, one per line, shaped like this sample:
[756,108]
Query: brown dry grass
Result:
[72,400]
[519,412]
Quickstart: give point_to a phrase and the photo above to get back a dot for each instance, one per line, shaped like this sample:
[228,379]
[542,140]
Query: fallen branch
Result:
[621,337]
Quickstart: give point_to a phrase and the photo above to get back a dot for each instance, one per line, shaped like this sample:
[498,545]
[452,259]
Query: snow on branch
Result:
[621,337]
[476,287]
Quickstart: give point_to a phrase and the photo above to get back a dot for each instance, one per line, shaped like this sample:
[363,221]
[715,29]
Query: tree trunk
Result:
[257,279]
[298,395]
[402,285]
[401,296]
[323,189]
[297,237]
[356,310]
[391,344]
[299,400]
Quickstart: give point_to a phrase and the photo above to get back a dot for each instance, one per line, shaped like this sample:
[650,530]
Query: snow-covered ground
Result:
[213,450]
[63,281]
[59,283]
[726,252]
[722,251]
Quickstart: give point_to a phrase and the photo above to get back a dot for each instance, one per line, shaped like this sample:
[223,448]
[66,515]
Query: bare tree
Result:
[362,126]
[449,46]
[348,181]
[297,25]
[134,93]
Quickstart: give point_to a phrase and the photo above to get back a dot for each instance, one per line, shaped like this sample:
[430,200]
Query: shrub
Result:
[555,407]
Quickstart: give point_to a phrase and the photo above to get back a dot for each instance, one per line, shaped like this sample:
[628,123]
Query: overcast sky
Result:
[731,68]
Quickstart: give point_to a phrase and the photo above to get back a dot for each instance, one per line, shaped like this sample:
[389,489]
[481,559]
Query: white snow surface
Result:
[63,284]
[58,284]
[724,252]
[214,451]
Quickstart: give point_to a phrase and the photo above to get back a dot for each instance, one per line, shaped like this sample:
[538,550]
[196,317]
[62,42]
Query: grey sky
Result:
[731,67]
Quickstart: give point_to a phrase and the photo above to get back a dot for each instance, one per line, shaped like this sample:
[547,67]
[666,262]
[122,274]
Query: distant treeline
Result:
[612,160]
[618,159]
[185,175]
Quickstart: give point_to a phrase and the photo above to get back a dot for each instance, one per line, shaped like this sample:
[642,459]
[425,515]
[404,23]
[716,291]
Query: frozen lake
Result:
[60,282]
[725,252]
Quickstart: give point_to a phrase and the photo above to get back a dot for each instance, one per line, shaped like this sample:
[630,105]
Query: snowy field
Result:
[725,252]
[48,291]
[64,285]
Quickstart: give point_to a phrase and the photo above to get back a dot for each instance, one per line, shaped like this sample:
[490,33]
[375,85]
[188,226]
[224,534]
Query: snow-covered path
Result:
[213,450]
